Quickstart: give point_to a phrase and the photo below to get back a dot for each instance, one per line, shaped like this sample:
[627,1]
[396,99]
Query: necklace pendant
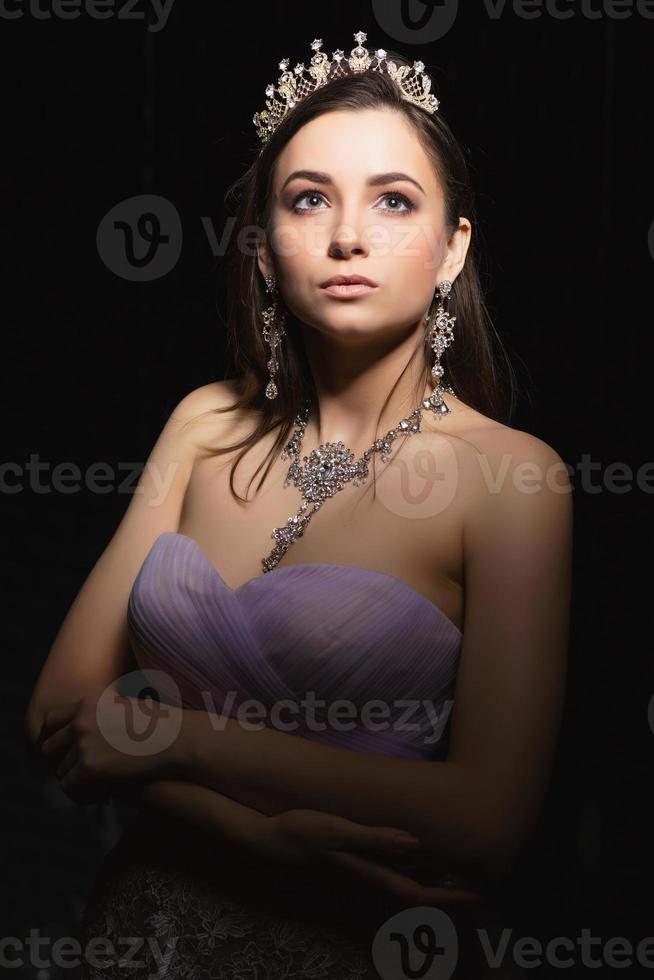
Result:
[326,471]
[286,535]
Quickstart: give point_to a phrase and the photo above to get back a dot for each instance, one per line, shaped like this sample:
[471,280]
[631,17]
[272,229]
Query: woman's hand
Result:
[297,834]
[109,740]
[408,889]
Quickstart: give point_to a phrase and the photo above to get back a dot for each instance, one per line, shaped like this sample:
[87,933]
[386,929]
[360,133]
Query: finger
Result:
[333,832]
[386,842]
[384,839]
[58,743]
[69,762]
[402,886]
[411,891]
[60,715]
[378,874]
[57,718]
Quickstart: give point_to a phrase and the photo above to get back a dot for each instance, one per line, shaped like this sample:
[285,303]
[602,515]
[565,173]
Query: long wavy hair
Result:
[472,367]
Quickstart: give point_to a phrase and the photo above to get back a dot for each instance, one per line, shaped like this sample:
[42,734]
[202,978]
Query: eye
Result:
[403,199]
[391,196]
[300,197]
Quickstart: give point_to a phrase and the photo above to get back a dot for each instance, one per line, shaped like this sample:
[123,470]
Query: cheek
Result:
[300,241]
[410,247]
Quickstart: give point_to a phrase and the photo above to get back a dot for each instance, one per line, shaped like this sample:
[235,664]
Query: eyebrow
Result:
[377,180]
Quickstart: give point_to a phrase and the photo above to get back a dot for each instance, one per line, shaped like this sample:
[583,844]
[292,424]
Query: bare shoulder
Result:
[497,465]
[497,440]
[206,398]
[207,413]
[516,451]
[476,436]
[513,476]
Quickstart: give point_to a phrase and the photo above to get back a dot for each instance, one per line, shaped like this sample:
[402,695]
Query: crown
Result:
[294,86]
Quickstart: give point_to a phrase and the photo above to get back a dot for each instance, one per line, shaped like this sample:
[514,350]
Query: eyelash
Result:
[409,204]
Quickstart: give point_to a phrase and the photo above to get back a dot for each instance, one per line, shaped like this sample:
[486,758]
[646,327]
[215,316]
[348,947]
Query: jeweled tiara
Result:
[294,86]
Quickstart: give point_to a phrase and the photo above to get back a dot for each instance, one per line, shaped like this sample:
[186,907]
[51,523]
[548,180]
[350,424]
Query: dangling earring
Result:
[273,331]
[440,337]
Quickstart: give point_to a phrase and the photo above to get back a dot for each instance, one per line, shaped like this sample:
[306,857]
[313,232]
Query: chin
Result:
[354,323]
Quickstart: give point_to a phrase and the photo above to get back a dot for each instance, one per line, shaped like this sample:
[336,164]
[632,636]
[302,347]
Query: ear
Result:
[457,249]
[264,259]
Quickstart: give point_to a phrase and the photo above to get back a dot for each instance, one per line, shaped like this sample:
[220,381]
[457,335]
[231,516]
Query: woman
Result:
[442,581]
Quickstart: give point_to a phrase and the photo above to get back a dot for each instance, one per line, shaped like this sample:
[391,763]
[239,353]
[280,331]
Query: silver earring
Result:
[439,326]
[274,329]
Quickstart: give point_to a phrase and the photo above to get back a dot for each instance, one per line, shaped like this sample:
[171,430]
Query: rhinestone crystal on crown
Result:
[294,86]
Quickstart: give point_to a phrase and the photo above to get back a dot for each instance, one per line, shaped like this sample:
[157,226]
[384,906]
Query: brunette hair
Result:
[471,365]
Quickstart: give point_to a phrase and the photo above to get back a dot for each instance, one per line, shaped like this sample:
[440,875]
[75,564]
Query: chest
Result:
[405,520]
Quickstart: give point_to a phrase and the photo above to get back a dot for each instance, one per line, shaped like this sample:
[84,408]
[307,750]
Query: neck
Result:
[352,383]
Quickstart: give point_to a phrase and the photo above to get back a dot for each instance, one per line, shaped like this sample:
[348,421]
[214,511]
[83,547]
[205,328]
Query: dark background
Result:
[553,114]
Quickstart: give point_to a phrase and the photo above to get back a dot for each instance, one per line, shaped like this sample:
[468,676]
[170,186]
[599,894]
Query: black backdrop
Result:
[553,112]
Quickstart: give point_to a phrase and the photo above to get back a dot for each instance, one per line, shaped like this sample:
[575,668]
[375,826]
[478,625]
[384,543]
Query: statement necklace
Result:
[329,467]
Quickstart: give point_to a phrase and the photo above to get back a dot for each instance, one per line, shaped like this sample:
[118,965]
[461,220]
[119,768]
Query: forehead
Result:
[350,145]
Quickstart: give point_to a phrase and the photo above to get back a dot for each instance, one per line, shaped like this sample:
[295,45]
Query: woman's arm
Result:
[383,856]
[91,649]
[379,855]
[294,835]
[205,809]
[474,810]
[91,749]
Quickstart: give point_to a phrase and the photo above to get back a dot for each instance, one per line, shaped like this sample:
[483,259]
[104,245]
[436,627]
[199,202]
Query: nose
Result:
[347,239]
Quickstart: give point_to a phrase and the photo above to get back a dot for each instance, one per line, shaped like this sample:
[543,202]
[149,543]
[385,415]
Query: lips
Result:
[347,281]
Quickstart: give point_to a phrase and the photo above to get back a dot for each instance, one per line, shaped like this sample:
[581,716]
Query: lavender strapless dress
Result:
[330,632]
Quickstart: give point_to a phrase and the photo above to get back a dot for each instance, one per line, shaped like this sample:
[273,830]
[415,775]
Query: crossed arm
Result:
[274,771]
[473,811]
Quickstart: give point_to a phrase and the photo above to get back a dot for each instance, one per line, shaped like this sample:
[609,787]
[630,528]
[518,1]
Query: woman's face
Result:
[354,193]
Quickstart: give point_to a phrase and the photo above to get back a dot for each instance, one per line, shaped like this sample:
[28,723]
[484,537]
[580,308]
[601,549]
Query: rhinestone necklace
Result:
[329,467]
